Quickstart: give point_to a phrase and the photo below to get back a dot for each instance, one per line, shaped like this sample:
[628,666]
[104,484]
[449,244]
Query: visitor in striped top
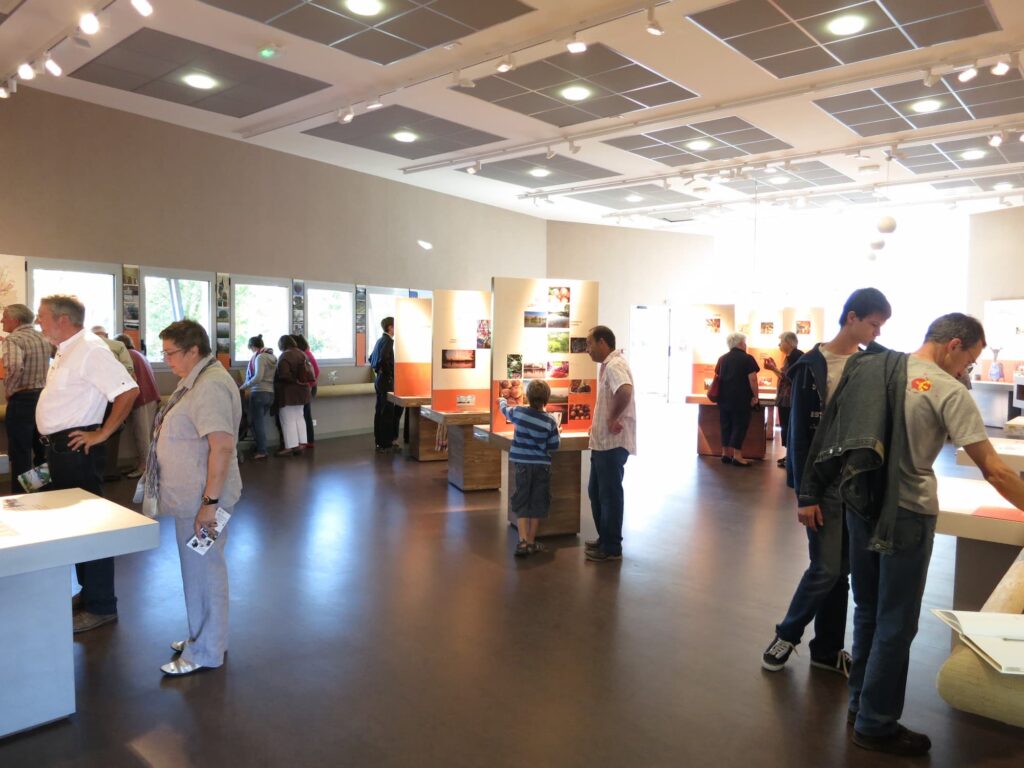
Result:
[536,437]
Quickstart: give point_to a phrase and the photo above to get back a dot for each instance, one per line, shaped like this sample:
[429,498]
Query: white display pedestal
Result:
[39,542]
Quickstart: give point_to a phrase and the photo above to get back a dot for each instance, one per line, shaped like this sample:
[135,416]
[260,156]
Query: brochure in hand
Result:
[201,544]
[35,478]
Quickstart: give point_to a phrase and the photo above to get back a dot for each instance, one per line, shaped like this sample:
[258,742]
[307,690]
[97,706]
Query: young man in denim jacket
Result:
[823,592]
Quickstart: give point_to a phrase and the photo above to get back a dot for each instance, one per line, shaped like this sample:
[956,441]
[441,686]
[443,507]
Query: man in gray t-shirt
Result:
[888,588]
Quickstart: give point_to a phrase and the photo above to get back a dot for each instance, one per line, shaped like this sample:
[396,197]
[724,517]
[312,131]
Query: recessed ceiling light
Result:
[88,23]
[634,198]
[973,154]
[1002,186]
[700,145]
[365,7]
[426,245]
[575,46]
[202,82]
[539,173]
[849,24]
[779,180]
[925,106]
[26,71]
[575,93]
[406,137]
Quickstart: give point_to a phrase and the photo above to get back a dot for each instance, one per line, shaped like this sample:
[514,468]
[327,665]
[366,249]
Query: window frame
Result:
[72,265]
[349,288]
[183,274]
[236,280]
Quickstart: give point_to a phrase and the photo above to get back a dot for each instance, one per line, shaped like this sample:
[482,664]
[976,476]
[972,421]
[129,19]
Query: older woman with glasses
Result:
[192,471]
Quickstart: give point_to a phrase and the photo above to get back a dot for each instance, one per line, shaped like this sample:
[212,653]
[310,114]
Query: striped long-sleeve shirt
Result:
[536,435]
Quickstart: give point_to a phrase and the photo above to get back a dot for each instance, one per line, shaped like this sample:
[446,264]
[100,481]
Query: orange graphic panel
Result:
[412,379]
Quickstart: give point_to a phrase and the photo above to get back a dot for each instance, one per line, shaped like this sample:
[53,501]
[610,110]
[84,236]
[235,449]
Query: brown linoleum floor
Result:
[379,619]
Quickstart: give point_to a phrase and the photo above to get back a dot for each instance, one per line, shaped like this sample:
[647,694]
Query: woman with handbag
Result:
[192,471]
[291,392]
[736,372]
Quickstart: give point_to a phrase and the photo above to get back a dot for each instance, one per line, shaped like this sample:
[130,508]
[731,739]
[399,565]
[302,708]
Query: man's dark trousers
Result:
[24,447]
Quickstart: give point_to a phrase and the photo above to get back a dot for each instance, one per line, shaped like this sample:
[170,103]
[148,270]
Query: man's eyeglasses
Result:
[169,353]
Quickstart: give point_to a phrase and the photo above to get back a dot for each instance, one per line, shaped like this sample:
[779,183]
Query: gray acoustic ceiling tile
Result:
[945,117]
[492,88]
[154,64]
[914,90]
[882,127]
[680,160]
[739,138]
[530,103]
[770,145]
[376,130]
[537,75]
[630,142]
[954,26]
[801,9]
[739,18]
[874,18]
[724,153]
[611,106]
[671,135]
[392,9]
[555,92]
[425,28]
[657,151]
[867,115]
[658,95]
[633,197]
[907,11]
[983,79]
[955,184]
[481,15]
[998,108]
[594,60]
[772,42]
[1012,89]
[260,10]
[564,116]
[799,63]
[377,46]
[848,101]
[316,24]
[994,183]
[873,46]
[560,171]
[722,126]
[626,78]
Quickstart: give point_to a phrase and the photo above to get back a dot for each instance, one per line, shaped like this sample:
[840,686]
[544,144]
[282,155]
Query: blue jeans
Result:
[607,469]
[887,592]
[823,592]
[259,407]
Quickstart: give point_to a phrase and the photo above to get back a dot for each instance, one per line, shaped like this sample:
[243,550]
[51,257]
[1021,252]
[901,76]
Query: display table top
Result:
[960,499]
[1010,450]
[983,384]
[408,402]
[54,528]
[456,418]
[570,441]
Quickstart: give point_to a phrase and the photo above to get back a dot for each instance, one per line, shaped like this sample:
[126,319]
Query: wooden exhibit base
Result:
[421,438]
[473,465]
[709,433]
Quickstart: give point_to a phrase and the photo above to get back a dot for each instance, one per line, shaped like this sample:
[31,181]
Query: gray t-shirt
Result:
[937,405]
[836,364]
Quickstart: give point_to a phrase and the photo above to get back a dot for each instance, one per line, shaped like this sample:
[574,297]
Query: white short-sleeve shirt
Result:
[84,376]
[613,374]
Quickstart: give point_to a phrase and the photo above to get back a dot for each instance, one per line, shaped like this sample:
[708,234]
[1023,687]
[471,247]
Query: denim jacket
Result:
[809,377]
[860,440]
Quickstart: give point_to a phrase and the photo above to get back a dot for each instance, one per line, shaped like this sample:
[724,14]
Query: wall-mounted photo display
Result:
[706,328]
[767,328]
[298,306]
[130,301]
[458,358]
[414,346]
[713,324]
[513,390]
[223,302]
[803,327]
[483,334]
[515,366]
[580,412]
[541,325]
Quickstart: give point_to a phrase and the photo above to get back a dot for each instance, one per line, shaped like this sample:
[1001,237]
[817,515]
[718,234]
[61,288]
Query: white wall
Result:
[996,265]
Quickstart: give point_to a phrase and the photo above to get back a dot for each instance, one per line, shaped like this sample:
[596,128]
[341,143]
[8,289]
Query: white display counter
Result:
[1010,450]
[41,536]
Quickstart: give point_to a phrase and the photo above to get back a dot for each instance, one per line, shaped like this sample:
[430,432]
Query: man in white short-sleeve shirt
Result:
[83,378]
[888,587]
[612,441]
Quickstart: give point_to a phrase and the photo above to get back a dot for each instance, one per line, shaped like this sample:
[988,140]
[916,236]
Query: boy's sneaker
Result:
[522,549]
[839,663]
[776,654]
[902,741]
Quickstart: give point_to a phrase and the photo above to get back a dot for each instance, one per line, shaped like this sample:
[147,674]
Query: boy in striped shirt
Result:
[536,437]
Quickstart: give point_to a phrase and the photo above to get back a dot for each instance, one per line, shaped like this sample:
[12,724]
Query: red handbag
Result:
[715,390]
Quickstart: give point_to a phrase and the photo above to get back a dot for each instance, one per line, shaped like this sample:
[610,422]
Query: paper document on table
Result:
[24,502]
[997,637]
[200,544]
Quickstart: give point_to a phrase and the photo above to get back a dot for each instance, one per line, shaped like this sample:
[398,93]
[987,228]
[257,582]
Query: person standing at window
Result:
[83,378]
[291,393]
[26,356]
[144,409]
[259,384]
[307,409]
[387,416]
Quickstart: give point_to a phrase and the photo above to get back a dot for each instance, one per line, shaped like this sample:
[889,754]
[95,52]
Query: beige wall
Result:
[633,266]
[80,181]
[996,265]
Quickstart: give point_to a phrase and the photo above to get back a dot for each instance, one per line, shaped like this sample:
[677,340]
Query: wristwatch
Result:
[207,501]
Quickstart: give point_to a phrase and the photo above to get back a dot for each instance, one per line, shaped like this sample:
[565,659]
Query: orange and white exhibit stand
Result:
[539,332]
[413,332]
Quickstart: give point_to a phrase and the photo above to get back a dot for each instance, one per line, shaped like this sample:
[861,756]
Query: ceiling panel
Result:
[399,28]
[960,154]
[541,171]
[604,83]
[633,197]
[155,64]
[794,37]
[797,176]
[426,135]
[722,139]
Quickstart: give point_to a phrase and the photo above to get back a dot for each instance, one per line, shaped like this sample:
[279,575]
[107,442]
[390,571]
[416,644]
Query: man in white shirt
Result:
[83,377]
[612,441]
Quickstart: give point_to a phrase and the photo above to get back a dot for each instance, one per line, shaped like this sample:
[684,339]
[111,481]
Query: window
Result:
[329,321]
[261,308]
[170,296]
[96,285]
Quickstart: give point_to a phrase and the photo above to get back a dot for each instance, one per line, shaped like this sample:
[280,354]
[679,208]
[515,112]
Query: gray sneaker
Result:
[840,663]
[776,654]
[83,621]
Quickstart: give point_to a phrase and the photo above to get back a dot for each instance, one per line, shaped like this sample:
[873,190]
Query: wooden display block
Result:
[423,438]
[472,464]
[709,433]
[566,495]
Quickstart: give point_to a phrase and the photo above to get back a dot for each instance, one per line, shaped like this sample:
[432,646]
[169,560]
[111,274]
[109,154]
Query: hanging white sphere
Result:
[872,255]
[877,245]
[887,225]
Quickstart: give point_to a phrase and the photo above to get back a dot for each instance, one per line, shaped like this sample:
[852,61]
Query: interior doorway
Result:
[650,337]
